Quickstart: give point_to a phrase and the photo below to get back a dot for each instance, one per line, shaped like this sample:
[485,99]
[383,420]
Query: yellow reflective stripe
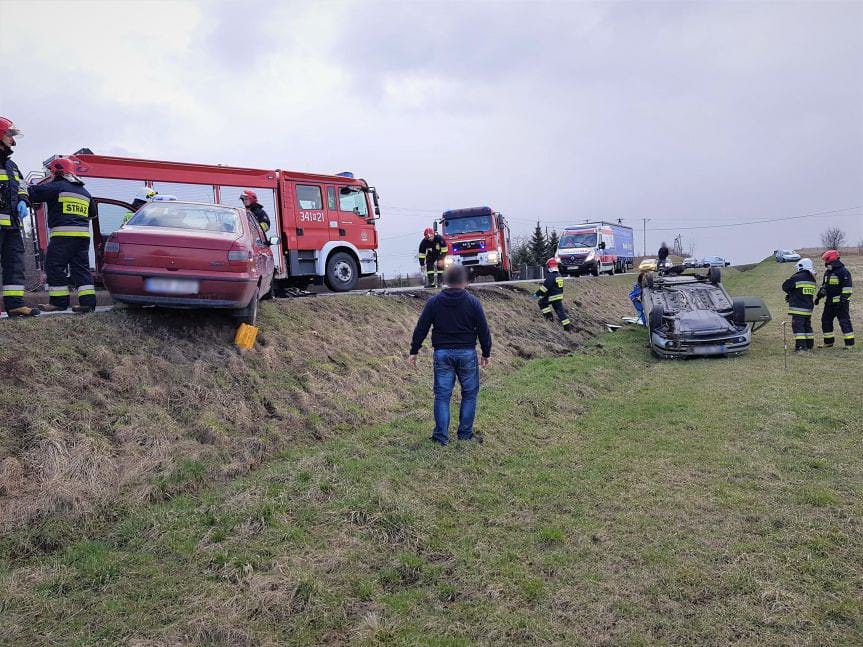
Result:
[847,290]
[58,292]
[265,226]
[565,322]
[422,256]
[829,335]
[13,290]
[5,222]
[833,280]
[800,311]
[4,176]
[556,297]
[75,206]
[70,234]
[850,335]
[22,191]
[837,299]
[542,288]
[548,309]
[800,284]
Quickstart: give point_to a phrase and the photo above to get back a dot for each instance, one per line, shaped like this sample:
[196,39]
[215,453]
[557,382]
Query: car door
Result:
[312,225]
[108,216]
[263,254]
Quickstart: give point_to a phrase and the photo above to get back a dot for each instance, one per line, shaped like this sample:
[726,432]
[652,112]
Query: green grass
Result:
[616,500]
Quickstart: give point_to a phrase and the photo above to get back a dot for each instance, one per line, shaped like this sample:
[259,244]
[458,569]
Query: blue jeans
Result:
[449,364]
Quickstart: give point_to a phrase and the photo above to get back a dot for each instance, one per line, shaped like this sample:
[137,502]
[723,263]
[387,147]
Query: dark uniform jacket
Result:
[12,190]
[261,216]
[432,250]
[836,286]
[68,206]
[552,287]
[800,288]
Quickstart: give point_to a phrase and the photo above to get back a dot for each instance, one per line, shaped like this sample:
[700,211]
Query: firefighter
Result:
[836,291]
[69,238]
[433,250]
[550,295]
[250,201]
[144,195]
[14,208]
[800,291]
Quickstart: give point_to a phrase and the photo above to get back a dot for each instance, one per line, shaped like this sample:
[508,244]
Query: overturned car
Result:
[691,315]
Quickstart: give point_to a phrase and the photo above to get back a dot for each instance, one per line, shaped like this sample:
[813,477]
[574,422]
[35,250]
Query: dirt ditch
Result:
[115,410]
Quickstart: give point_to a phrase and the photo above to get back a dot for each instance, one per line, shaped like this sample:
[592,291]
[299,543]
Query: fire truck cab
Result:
[322,226]
[478,239]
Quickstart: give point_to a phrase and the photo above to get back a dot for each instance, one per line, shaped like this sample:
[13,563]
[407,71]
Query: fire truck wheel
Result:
[249,314]
[342,272]
[502,275]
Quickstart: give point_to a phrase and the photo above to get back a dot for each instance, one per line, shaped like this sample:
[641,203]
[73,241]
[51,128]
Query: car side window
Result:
[257,232]
[309,197]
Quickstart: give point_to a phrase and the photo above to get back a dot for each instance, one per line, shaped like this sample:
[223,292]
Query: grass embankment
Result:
[616,499]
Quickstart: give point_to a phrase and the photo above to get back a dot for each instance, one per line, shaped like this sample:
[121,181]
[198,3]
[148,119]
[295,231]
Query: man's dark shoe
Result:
[476,438]
[83,309]
[437,442]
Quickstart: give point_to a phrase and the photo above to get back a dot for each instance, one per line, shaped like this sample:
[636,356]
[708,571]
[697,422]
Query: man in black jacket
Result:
[14,208]
[800,291]
[836,290]
[457,320]
[69,238]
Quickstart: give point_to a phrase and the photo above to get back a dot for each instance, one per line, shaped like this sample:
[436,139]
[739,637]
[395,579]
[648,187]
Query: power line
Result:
[817,214]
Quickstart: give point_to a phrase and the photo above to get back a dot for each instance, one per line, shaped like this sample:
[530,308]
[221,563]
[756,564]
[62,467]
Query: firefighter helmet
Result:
[251,195]
[805,264]
[552,263]
[145,193]
[428,232]
[830,256]
[62,166]
[8,127]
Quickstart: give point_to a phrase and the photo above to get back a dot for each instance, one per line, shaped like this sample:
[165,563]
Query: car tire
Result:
[714,275]
[594,271]
[738,309]
[612,270]
[656,318]
[249,314]
[342,273]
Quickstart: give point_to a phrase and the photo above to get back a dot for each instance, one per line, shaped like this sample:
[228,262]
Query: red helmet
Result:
[251,195]
[7,127]
[551,263]
[62,166]
[428,231]
[830,256]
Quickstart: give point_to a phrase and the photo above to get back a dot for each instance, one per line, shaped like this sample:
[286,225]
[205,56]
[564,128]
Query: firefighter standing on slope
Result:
[250,201]
[14,208]
[550,295]
[69,238]
[800,291]
[836,291]
[433,249]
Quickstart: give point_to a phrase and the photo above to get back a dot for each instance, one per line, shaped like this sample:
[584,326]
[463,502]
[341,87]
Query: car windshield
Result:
[475,224]
[587,239]
[187,216]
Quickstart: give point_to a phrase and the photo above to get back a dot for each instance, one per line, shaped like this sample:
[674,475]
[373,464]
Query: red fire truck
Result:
[478,238]
[323,226]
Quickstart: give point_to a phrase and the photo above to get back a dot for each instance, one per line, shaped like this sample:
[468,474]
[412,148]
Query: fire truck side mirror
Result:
[435,225]
[273,241]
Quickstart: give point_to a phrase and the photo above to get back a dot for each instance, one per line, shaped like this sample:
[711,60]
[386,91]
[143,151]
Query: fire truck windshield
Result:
[586,239]
[472,225]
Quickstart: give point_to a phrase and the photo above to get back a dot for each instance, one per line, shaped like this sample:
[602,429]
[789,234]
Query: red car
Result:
[190,255]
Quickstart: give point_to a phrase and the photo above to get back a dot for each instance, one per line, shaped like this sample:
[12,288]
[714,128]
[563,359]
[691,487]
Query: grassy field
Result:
[616,500]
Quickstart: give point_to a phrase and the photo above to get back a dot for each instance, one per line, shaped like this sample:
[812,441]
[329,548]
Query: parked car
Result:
[693,316]
[786,256]
[714,261]
[190,255]
[647,265]
[691,261]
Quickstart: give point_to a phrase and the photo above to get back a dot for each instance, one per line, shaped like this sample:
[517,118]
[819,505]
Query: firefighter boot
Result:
[24,311]
[548,316]
[83,309]
[50,307]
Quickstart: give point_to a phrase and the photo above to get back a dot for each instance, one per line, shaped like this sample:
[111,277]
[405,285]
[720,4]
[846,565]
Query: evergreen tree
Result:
[538,246]
[521,253]
[553,240]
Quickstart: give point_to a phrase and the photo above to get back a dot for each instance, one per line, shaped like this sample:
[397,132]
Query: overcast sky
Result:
[688,113]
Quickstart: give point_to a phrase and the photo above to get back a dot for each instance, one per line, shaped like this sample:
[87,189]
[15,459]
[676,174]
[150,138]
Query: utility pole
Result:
[644,222]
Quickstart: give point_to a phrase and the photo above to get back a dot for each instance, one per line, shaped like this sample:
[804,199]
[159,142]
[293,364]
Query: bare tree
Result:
[833,238]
